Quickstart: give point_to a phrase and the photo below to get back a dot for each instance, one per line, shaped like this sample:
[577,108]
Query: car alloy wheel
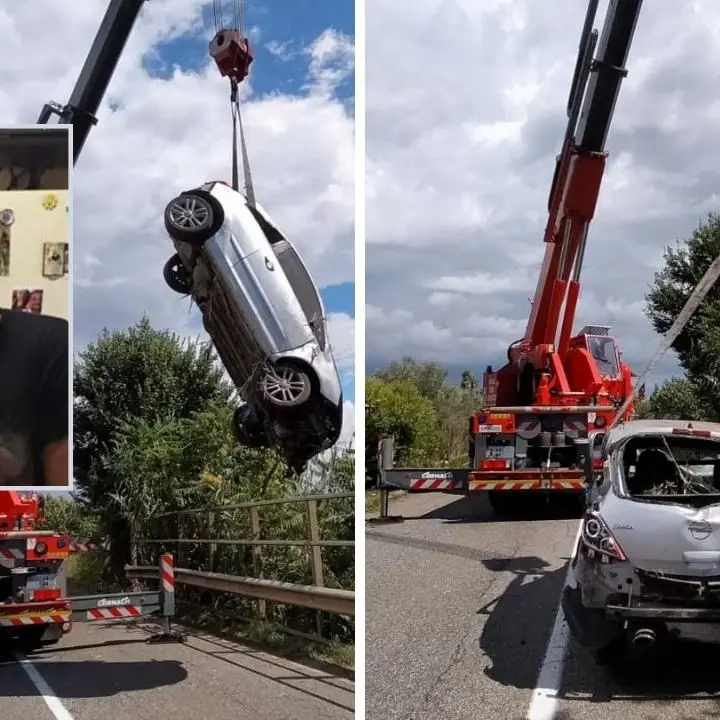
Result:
[190,218]
[286,386]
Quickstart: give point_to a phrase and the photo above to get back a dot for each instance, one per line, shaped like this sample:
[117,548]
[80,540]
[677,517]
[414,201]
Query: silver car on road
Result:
[647,566]
[265,317]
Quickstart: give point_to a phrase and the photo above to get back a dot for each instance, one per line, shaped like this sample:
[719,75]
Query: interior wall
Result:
[40,217]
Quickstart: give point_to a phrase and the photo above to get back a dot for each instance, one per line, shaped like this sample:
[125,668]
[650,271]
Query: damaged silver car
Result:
[647,565]
[265,317]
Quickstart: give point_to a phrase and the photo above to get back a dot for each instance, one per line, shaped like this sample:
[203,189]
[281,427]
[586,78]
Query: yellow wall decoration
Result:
[50,201]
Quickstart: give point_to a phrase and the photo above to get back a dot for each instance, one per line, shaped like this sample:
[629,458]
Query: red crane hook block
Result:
[232,54]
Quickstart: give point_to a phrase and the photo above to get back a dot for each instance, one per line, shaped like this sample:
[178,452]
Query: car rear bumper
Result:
[597,627]
[656,613]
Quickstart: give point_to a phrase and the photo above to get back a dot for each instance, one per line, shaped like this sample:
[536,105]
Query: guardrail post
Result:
[167,601]
[316,555]
[257,558]
[213,546]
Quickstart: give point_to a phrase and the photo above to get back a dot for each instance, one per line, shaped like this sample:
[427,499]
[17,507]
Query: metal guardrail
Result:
[330,600]
[316,596]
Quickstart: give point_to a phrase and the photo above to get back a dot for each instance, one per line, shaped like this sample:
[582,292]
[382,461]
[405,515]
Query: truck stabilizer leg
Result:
[167,593]
[385,516]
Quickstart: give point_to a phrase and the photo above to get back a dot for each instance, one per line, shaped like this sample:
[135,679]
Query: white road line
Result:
[46,692]
[543,704]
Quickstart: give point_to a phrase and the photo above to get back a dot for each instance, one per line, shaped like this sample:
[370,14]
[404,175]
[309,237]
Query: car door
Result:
[278,318]
[304,289]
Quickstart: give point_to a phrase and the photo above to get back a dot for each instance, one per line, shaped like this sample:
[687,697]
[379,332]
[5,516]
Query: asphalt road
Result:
[461,610]
[104,671]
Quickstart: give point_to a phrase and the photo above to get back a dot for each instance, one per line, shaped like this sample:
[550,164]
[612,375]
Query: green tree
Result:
[452,404]
[429,378]
[698,345]
[68,516]
[139,374]
[173,464]
[679,399]
[396,407]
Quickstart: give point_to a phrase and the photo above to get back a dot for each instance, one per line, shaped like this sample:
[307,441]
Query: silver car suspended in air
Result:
[647,565]
[264,316]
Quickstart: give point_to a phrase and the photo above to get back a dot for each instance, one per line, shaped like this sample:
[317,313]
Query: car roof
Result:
[626,430]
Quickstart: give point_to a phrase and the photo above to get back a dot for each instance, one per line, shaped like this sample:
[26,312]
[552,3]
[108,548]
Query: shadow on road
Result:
[687,671]
[330,688]
[516,633]
[71,679]
[525,506]
[518,622]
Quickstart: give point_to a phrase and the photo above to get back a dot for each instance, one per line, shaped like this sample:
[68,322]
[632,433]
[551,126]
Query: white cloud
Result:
[170,134]
[466,113]
[348,422]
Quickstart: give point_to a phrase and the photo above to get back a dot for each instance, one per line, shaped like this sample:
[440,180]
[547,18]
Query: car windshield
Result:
[672,467]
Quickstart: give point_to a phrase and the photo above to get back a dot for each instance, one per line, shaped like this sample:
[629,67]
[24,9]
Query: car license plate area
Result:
[679,587]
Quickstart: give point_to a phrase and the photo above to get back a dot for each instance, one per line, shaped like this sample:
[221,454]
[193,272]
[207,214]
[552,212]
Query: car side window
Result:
[304,288]
[271,232]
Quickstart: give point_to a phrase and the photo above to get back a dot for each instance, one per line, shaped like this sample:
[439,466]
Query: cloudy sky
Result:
[165,126]
[466,113]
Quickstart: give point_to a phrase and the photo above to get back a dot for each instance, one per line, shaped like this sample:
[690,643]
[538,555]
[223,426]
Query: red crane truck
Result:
[556,389]
[35,608]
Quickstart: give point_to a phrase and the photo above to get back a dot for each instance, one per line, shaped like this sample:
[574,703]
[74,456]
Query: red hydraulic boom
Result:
[549,366]
[547,408]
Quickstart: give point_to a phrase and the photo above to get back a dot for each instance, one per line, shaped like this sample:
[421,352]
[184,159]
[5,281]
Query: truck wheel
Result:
[501,501]
[30,638]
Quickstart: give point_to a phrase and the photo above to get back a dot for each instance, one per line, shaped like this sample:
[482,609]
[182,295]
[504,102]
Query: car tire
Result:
[286,386]
[176,276]
[247,430]
[192,217]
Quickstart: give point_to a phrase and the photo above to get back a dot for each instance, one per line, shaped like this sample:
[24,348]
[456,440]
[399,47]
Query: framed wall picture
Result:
[27,300]
[66,258]
[53,259]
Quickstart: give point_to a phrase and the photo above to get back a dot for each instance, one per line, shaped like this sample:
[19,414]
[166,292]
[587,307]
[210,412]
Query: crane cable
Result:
[238,132]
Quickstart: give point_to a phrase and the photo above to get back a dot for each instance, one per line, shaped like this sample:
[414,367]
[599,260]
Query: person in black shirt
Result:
[34,402]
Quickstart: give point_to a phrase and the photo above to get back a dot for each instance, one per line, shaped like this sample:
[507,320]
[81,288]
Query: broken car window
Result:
[671,466]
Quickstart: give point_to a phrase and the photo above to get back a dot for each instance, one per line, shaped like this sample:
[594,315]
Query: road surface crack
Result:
[459,652]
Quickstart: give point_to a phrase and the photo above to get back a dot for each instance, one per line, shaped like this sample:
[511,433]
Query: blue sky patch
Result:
[279,37]
[339,298]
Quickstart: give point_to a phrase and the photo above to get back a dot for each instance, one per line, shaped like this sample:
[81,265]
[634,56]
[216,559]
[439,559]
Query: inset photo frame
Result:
[28,300]
[54,259]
